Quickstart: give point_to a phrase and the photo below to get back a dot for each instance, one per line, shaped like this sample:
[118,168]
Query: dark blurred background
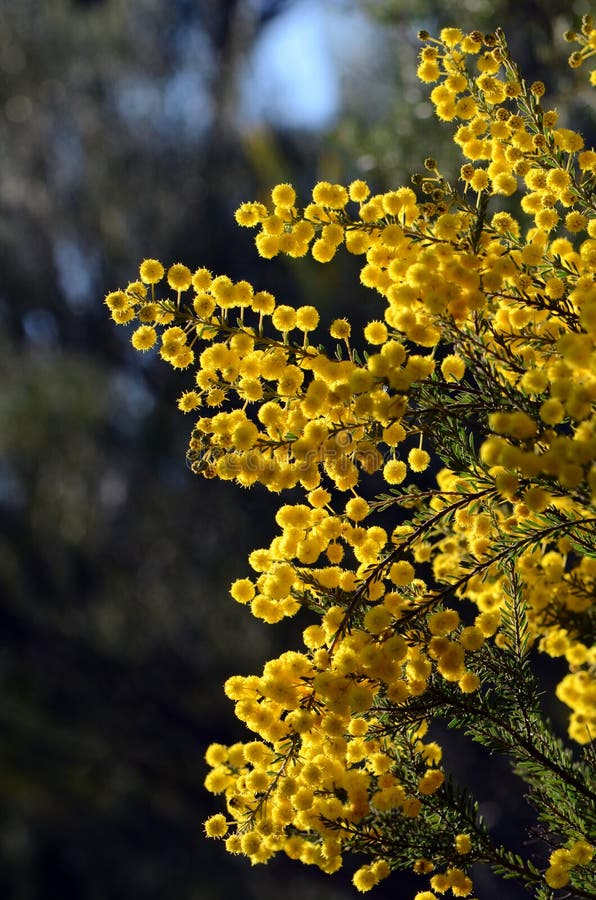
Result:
[133,129]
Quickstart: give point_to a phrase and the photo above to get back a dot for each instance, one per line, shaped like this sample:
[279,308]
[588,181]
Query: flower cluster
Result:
[481,363]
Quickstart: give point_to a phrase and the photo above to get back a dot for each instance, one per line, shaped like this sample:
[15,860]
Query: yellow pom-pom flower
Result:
[242,590]
[394,471]
[179,277]
[189,401]
[284,318]
[283,195]
[151,271]
[431,781]
[340,329]
[216,826]
[401,573]
[376,333]
[144,337]
[358,191]
[357,509]
[307,318]
[463,843]
[418,460]
[453,368]
[201,280]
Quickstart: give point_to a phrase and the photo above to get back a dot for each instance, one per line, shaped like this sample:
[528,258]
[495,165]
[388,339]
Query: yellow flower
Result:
[401,573]
[451,36]
[443,622]
[144,337]
[250,214]
[357,509]
[293,417]
[358,191]
[453,367]
[376,333]
[418,460]
[283,195]
[581,853]
[394,471]
[364,879]
[377,620]
[179,277]
[267,245]
[216,826]
[463,843]
[340,329]
[460,883]
[480,180]
[117,301]
[242,590]
[307,318]
[557,876]
[568,140]
[431,781]
[263,302]
[323,251]
[468,683]
[504,183]
[546,219]
[151,271]
[330,195]
[575,221]
[428,71]
[552,411]
[189,401]
[284,318]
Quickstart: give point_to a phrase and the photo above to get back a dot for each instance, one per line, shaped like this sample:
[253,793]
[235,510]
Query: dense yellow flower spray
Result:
[481,364]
